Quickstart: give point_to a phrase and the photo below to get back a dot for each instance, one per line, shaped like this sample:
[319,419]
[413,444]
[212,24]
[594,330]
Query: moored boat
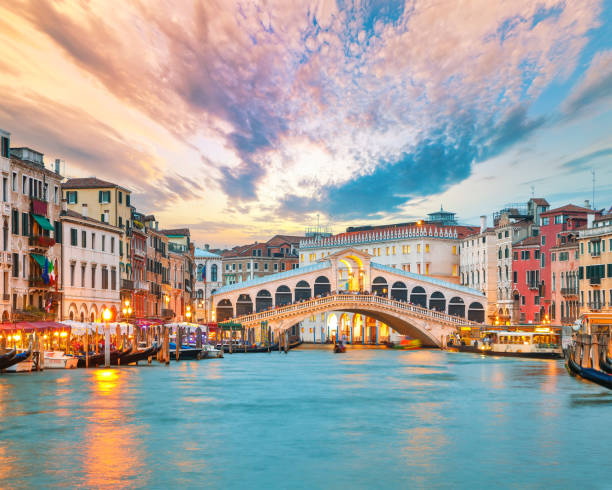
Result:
[186,353]
[339,348]
[605,363]
[135,356]
[7,357]
[21,362]
[535,345]
[56,359]
[589,374]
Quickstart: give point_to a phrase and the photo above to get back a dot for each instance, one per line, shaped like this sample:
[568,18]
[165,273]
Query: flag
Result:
[45,273]
[51,274]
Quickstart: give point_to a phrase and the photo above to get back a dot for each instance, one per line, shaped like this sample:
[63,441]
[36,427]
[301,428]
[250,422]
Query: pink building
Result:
[526,278]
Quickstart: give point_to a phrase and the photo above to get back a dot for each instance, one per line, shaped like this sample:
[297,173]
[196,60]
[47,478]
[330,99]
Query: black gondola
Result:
[17,358]
[239,349]
[98,359]
[136,356]
[605,363]
[6,358]
[589,374]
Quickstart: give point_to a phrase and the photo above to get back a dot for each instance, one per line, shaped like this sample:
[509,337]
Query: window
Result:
[83,275]
[213,272]
[93,241]
[256,266]
[127,200]
[103,243]
[104,197]
[283,266]
[543,239]
[120,197]
[418,248]
[506,234]
[5,147]
[276,266]
[24,185]
[112,250]
[514,255]
[84,239]
[121,248]
[455,250]
[266,266]
[15,222]
[582,248]
[523,300]
[515,277]
[4,189]
[559,219]
[72,266]
[55,195]
[15,265]
[14,182]
[545,221]
[113,279]
[72,197]
[73,237]
[120,222]
[104,278]
[25,222]
[58,231]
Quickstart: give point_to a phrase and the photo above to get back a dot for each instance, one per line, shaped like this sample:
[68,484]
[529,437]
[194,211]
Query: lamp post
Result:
[106,316]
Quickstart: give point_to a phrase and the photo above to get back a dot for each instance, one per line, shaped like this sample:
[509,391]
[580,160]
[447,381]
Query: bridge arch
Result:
[225,310]
[263,300]
[476,312]
[283,296]
[322,286]
[399,291]
[244,305]
[418,296]
[302,291]
[456,307]
[437,301]
[380,286]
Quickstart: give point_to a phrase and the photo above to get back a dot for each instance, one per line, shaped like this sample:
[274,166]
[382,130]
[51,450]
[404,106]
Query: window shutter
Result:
[581,272]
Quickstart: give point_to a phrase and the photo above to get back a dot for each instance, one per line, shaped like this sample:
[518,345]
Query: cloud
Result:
[581,163]
[594,87]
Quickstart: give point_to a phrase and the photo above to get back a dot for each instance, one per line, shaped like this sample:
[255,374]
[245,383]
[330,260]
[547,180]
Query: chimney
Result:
[587,204]
[483,223]
[590,219]
[84,211]
[57,166]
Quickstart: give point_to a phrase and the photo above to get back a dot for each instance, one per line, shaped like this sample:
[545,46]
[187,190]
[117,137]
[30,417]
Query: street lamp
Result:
[106,316]
[188,313]
[127,309]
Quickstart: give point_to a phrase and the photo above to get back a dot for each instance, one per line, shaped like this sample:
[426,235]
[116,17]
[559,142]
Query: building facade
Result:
[35,235]
[565,293]
[181,274]
[208,278]
[90,268]
[526,278]
[5,212]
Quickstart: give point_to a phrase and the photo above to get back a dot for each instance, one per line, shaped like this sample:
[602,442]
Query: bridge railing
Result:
[340,299]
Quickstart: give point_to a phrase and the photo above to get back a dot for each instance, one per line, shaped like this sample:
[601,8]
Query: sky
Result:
[241,120]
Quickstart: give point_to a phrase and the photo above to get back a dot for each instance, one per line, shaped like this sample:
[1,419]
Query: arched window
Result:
[213,273]
[507,252]
[499,253]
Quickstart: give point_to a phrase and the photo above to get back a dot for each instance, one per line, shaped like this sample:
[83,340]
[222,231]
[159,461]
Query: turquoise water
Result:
[368,418]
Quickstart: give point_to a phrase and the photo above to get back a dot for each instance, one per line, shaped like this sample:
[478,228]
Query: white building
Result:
[90,267]
[5,211]
[428,248]
[479,262]
[208,278]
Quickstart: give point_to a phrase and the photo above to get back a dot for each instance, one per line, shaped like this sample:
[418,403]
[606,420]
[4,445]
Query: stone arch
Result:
[113,310]
[358,327]
[476,312]
[418,296]
[380,286]
[283,296]
[399,291]
[5,316]
[71,315]
[225,310]
[302,291]
[345,324]
[322,286]
[332,326]
[244,305]
[93,313]
[456,307]
[437,301]
[263,300]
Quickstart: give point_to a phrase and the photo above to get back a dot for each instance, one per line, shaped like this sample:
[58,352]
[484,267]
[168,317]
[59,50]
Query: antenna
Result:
[593,172]
[532,191]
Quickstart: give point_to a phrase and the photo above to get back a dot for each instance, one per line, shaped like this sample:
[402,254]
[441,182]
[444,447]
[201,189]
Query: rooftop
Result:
[73,214]
[528,242]
[570,208]
[90,183]
[200,253]
[176,231]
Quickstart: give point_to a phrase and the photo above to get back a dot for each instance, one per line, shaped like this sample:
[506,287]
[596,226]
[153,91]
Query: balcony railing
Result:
[569,291]
[36,282]
[595,305]
[596,253]
[127,284]
[41,241]
[595,281]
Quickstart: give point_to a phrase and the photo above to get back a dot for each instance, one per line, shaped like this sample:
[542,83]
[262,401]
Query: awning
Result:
[32,326]
[40,259]
[43,222]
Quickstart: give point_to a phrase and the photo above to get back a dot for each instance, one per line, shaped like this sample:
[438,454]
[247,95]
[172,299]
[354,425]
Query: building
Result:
[478,264]
[111,203]
[595,265]
[553,224]
[207,279]
[157,267]
[5,211]
[181,270]
[139,286]
[565,293]
[89,278]
[526,278]
[35,235]
[246,262]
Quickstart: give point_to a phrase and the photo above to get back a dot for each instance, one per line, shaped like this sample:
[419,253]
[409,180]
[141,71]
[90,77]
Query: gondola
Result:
[98,359]
[605,363]
[17,358]
[589,374]
[136,356]
[249,350]
[6,358]
[339,349]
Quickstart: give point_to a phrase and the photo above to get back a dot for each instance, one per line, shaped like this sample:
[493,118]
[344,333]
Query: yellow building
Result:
[108,203]
[595,266]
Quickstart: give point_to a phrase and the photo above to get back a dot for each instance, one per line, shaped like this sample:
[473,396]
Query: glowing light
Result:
[56,334]
[16,337]
[64,334]
[127,302]
[106,314]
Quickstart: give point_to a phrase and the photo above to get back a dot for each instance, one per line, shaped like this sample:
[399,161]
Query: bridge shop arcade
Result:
[349,272]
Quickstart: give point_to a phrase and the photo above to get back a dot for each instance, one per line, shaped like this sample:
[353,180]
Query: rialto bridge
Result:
[348,281]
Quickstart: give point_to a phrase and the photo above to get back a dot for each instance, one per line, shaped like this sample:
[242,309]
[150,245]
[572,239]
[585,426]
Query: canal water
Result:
[309,419]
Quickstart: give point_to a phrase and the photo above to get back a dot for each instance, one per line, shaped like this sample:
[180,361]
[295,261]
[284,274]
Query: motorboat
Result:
[405,344]
[186,353]
[536,344]
[211,351]
[56,359]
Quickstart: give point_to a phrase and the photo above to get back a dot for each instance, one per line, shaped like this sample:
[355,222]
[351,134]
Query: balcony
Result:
[39,207]
[36,282]
[41,241]
[167,313]
[595,253]
[595,281]
[533,285]
[141,285]
[569,291]
[127,284]
[595,306]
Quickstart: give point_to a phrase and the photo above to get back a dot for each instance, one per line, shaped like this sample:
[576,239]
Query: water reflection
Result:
[113,452]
